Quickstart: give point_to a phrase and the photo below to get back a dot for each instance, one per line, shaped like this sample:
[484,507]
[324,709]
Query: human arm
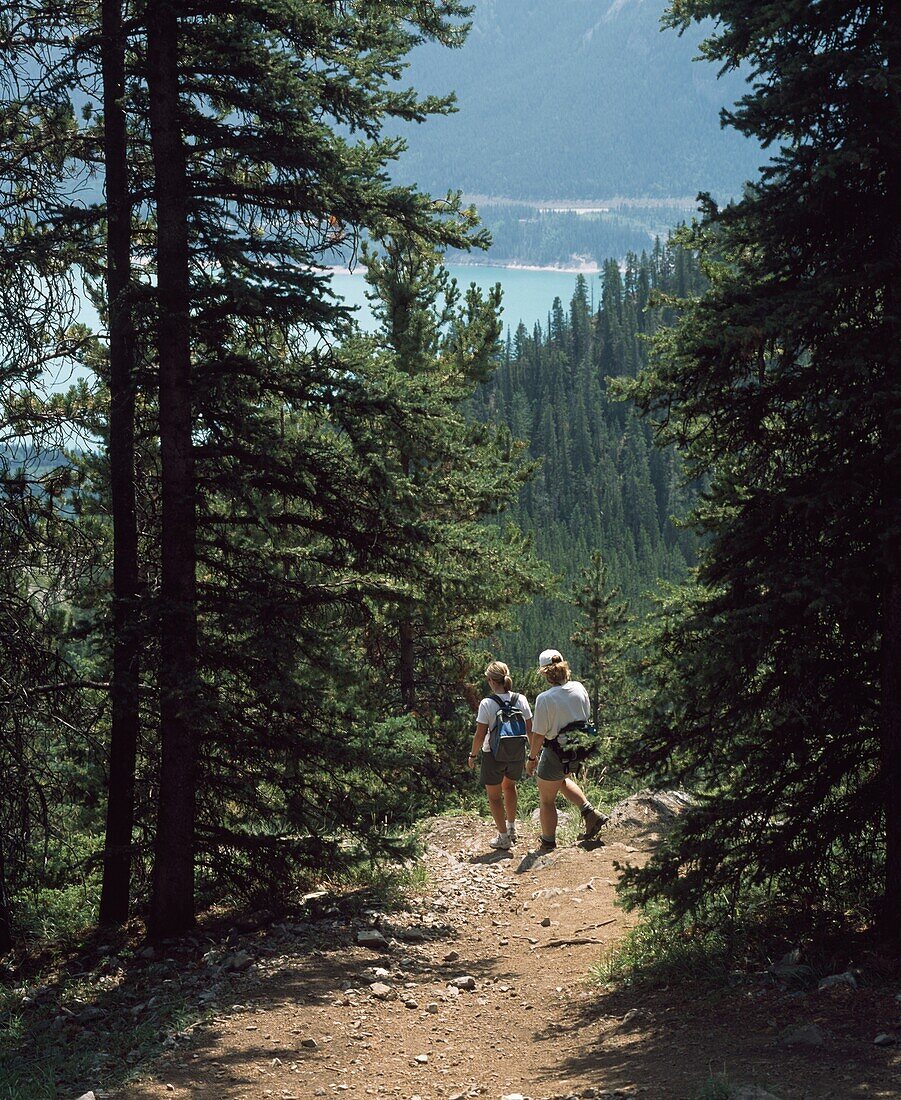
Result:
[536,740]
[478,739]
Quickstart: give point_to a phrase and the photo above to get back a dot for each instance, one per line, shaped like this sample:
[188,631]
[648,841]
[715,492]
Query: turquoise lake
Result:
[528,295]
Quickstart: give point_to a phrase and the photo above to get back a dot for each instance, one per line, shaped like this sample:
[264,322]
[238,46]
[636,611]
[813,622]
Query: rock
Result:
[87,1096]
[380,972]
[547,892]
[634,1015]
[807,1035]
[410,1003]
[789,969]
[546,923]
[649,809]
[847,978]
[381,991]
[465,981]
[310,1044]
[883,1039]
[412,935]
[421,1059]
[513,1096]
[373,939]
[88,1014]
[239,962]
[451,957]
[313,895]
[432,1007]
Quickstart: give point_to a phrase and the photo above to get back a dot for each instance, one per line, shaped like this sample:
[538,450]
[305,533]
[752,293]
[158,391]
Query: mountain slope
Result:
[576,99]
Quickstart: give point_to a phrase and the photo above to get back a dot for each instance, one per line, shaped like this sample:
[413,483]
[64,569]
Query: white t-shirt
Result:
[488,710]
[558,706]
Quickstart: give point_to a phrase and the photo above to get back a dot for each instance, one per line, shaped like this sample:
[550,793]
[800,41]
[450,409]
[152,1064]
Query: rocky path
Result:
[477,989]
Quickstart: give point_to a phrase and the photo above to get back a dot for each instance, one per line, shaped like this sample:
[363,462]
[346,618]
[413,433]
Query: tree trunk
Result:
[172,902]
[891,753]
[406,669]
[890,685]
[114,897]
[6,930]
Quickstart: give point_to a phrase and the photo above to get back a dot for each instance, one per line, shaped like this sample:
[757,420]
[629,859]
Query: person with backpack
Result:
[564,706]
[503,724]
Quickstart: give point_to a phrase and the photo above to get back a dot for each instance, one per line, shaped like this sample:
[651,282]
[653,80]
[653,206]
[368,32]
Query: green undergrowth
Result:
[661,951]
[727,942]
[717,1087]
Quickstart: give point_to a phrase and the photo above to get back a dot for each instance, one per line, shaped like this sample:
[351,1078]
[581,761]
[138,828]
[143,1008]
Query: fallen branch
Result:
[577,941]
[591,927]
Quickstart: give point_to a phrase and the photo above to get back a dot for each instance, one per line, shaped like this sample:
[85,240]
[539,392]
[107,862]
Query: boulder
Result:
[373,939]
[648,809]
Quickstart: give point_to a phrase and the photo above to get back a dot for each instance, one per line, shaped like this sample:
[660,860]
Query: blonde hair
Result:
[498,673]
[557,672]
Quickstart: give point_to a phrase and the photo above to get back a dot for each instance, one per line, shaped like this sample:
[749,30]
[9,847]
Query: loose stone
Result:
[465,981]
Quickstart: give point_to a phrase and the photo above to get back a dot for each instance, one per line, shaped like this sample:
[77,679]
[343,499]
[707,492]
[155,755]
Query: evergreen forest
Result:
[254,560]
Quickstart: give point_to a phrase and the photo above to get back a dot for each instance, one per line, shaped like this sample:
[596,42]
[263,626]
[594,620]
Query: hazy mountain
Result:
[576,99]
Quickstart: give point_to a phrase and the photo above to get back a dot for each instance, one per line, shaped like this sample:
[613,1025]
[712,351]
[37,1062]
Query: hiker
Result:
[565,701]
[501,712]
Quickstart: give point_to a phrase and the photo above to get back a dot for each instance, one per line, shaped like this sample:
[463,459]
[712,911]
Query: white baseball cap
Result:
[549,657]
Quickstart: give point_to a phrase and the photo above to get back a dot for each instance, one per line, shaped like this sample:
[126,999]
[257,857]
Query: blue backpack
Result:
[507,739]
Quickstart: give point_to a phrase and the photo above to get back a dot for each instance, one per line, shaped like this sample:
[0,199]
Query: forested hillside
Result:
[529,234]
[602,484]
[568,99]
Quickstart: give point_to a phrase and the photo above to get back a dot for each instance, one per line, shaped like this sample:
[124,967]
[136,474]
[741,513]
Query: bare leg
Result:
[547,805]
[510,799]
[496,802]
[572,792]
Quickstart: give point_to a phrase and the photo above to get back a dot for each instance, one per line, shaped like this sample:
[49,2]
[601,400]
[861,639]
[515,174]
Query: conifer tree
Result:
[778,685]
[601,614]
[443,344]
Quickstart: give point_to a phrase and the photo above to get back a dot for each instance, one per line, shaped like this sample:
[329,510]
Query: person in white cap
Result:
[565,701]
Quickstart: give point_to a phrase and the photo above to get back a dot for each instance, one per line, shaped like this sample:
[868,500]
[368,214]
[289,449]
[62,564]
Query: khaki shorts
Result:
[492,772]
[549,766]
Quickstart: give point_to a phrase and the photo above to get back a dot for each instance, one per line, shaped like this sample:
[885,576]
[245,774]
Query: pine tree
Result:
[601,613]
[472,574]
[778,683]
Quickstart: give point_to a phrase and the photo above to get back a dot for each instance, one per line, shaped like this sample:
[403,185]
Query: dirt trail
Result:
[325,1017]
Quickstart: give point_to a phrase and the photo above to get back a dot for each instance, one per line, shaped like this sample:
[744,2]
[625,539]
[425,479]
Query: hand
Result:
[471,761]
[531,765]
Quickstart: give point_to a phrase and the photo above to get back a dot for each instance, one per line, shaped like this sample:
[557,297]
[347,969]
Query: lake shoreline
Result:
[585,268]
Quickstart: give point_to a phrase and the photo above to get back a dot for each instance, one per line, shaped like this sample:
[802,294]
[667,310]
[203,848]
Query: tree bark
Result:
[114,897]
[890,655]
[6,930]
[172,901]
[407,669]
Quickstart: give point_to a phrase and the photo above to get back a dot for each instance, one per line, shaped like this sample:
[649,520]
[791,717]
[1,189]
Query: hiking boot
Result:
[511,833]
[594,822]
[501,842]
[545,845]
